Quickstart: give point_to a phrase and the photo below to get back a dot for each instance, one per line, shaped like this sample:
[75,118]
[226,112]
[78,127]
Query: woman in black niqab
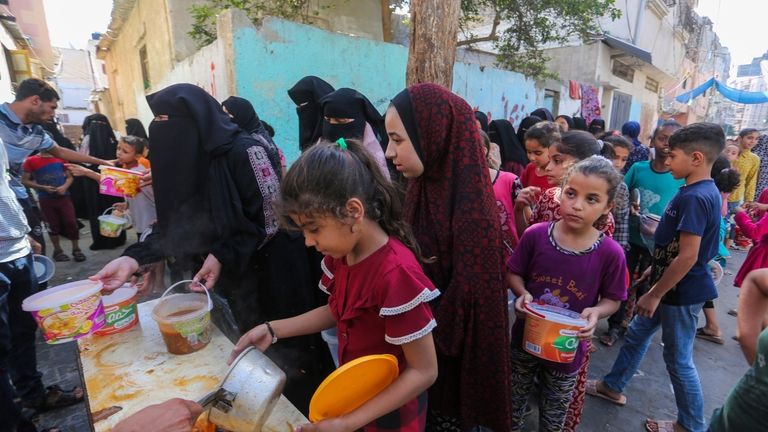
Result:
[134,127]
[513,155]
[215,188]
[306,94]
[99,141]
[244,115]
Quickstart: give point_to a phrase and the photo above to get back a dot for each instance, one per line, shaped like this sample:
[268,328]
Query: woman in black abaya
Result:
[99,141]
[214,188]
[306,94]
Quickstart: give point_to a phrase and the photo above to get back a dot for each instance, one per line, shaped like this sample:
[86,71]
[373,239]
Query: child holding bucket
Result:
[130,151]
[338,197]
[588,191]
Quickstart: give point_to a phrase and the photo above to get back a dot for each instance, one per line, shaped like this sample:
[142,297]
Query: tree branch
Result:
[491,37]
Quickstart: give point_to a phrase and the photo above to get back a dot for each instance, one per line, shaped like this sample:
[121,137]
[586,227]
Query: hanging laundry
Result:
[574,91]
[590,104]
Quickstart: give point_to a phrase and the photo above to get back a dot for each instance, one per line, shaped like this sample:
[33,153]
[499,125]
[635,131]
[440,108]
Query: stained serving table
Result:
[133,369]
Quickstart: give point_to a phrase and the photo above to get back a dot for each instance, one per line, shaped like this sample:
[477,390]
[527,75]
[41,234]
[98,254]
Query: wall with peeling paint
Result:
[499,93]
[271,59]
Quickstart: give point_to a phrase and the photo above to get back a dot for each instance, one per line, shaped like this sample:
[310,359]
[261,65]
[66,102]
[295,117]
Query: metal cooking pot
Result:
[247,394]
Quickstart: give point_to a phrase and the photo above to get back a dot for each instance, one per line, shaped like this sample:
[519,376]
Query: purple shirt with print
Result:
[571,280]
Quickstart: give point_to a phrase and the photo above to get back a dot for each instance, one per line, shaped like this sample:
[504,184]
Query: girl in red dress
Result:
[338,197]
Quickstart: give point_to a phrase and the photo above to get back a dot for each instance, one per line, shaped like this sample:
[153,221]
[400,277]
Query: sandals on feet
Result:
[56,397]
[60,256]
[659,425]
[610,337]
[79,256]
[592,390]
[701,333]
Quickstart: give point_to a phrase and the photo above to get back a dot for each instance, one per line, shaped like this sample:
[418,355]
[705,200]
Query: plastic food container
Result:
[551,332]
[67,312]
[118,181]
[120,311]
[111,225]
[184,320]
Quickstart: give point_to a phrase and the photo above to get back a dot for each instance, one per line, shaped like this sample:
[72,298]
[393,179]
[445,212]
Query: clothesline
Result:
[736,95]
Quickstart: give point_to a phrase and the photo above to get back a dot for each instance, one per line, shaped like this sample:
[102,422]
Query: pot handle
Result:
[210,304]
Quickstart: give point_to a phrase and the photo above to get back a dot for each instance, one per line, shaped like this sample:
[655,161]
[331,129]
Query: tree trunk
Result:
[434,25]
[386,20]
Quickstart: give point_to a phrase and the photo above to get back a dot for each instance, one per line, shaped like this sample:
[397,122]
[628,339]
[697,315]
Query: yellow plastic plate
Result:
[352,385]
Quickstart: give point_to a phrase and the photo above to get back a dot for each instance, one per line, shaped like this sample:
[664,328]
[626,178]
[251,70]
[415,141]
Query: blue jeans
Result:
[678,332]
[18,358]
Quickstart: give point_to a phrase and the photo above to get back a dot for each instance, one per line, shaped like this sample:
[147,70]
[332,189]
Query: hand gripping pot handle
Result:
[126,216]
[210,304]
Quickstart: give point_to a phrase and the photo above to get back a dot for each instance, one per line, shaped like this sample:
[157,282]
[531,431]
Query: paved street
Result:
[649,394]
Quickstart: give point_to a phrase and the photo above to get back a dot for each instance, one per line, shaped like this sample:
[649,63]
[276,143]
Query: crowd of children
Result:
[423,274]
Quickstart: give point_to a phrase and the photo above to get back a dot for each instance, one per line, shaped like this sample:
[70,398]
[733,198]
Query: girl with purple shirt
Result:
[588,193]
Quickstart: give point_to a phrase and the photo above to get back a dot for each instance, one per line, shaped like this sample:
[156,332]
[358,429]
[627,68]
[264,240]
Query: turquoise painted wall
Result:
[498,93]
[271,59]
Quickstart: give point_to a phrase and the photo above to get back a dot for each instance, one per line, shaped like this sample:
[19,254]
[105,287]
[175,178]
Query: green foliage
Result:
[526,26]
[204,27]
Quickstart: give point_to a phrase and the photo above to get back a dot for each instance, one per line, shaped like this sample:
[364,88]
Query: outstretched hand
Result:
[116,272]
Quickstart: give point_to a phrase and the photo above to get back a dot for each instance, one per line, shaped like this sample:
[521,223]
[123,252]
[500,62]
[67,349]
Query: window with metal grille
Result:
[651,84]
[623,71]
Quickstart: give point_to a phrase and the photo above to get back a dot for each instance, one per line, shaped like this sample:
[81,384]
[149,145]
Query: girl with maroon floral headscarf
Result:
[435,143]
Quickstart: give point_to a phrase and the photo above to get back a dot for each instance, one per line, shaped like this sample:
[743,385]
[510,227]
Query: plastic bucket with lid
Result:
[184,320]
[67,312]
[111,225]
[118,181]
[120,310]
[551,332]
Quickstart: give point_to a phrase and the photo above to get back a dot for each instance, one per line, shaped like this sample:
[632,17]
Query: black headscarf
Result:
[198,173]
[597,126]
[306,94]
[526,124]
[135,128]
[502,133]
[580,123]
[483,119]
[181,153]
[567,119]
[350,104]
[244,115]
[57,136]
[102,142]
[543,113]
